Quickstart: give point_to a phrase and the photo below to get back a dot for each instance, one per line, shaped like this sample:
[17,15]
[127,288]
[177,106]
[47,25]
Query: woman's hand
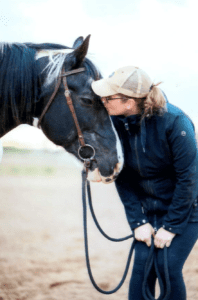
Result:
[144,233]
[163,238]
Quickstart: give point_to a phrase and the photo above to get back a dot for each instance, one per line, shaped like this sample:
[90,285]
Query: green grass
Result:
[21,170]
[10,150]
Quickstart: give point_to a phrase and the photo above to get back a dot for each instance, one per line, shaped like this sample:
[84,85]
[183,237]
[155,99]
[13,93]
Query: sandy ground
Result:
[41,237]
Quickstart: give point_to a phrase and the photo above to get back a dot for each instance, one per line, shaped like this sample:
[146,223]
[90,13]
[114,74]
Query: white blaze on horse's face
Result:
[95,175]
[119,149]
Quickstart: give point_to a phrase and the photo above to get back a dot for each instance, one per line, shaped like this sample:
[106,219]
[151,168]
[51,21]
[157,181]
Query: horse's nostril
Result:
[115,176]
[108,179]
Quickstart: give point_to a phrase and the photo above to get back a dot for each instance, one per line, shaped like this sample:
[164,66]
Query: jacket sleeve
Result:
[131,198]
[182,143]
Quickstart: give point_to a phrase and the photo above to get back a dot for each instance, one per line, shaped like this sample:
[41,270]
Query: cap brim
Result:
[102,88]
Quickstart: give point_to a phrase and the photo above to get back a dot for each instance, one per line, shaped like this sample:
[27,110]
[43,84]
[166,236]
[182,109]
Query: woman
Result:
[159,182]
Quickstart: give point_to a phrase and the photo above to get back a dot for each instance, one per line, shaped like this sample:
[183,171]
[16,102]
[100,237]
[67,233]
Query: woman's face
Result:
[116,106]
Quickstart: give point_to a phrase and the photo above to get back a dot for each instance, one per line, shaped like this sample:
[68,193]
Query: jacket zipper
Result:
[150,189]
[136,151]
[126,125]
[155,218]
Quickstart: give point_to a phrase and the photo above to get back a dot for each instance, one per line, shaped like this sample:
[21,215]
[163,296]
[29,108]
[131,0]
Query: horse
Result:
[29,75]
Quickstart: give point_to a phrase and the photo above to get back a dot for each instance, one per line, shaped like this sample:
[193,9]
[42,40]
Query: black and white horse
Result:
[28,76]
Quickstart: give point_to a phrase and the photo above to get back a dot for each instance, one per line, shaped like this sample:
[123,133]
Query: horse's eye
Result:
[87,101]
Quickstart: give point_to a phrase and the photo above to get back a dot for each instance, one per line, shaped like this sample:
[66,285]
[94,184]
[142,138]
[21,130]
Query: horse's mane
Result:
[19,88]
[46,46]
[18,82]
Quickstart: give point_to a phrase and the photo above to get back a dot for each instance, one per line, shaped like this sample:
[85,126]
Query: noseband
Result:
[83,147]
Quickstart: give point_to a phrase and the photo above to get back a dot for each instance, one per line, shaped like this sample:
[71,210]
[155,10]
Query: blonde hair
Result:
[153,103]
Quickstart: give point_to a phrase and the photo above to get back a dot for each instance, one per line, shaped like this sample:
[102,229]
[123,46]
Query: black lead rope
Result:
[96,221]
[151,257]
[86,245]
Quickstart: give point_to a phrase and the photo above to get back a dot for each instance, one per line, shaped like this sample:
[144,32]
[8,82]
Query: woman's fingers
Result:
[148,242]
[159,243]
[162,244]
[168,244]
[163,238]
[144,233]
[145,240]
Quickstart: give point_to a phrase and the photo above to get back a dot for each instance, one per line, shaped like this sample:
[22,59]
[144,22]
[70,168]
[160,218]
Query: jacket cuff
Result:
[138,223]
[177,228]
[172,229]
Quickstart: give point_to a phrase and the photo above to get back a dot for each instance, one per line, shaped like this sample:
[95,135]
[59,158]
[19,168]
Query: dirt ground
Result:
[41,237]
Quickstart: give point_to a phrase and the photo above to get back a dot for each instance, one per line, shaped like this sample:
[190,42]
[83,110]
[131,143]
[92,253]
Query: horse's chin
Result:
[95,176]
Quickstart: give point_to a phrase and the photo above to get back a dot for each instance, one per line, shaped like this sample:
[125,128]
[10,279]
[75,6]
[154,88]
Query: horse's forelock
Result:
[57,57]
[55,63]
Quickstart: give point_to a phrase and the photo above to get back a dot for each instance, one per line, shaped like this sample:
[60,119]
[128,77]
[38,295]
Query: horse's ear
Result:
[78,42]
[81,51]
[77,56]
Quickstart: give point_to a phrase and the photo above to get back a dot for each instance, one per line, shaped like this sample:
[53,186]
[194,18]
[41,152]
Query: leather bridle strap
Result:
[71,72]
[63,74]
[49,102]
[70,104]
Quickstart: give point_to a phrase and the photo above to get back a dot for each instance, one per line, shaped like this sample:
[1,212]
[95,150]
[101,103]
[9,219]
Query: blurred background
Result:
[41,238]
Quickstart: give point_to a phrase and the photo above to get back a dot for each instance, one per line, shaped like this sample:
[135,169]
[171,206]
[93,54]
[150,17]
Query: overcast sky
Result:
[159,36]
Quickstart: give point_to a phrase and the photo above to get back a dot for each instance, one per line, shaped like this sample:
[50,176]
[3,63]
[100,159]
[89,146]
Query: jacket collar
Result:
[131,120]
[134,122]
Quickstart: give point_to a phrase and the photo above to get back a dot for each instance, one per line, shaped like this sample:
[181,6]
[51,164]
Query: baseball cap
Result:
[130,81]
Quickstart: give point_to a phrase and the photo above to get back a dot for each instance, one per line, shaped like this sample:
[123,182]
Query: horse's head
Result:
[96,126]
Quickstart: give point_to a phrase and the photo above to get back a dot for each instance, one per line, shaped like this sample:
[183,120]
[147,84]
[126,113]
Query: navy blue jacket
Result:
[160,175]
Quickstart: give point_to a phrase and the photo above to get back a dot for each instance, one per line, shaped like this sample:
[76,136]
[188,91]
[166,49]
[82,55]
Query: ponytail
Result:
[153,103]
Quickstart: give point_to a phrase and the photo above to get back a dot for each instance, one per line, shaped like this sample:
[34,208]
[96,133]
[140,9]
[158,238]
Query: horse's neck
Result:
[4,131]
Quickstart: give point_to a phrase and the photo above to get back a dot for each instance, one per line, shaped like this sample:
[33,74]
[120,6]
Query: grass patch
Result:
[8,150]
[21,170]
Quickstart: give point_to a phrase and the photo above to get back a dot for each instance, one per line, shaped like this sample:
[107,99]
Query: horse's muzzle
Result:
[95,175]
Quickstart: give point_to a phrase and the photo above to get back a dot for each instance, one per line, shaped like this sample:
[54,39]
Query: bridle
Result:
[83,146]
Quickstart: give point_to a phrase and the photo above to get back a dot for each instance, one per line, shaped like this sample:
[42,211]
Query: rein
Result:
[164,291]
